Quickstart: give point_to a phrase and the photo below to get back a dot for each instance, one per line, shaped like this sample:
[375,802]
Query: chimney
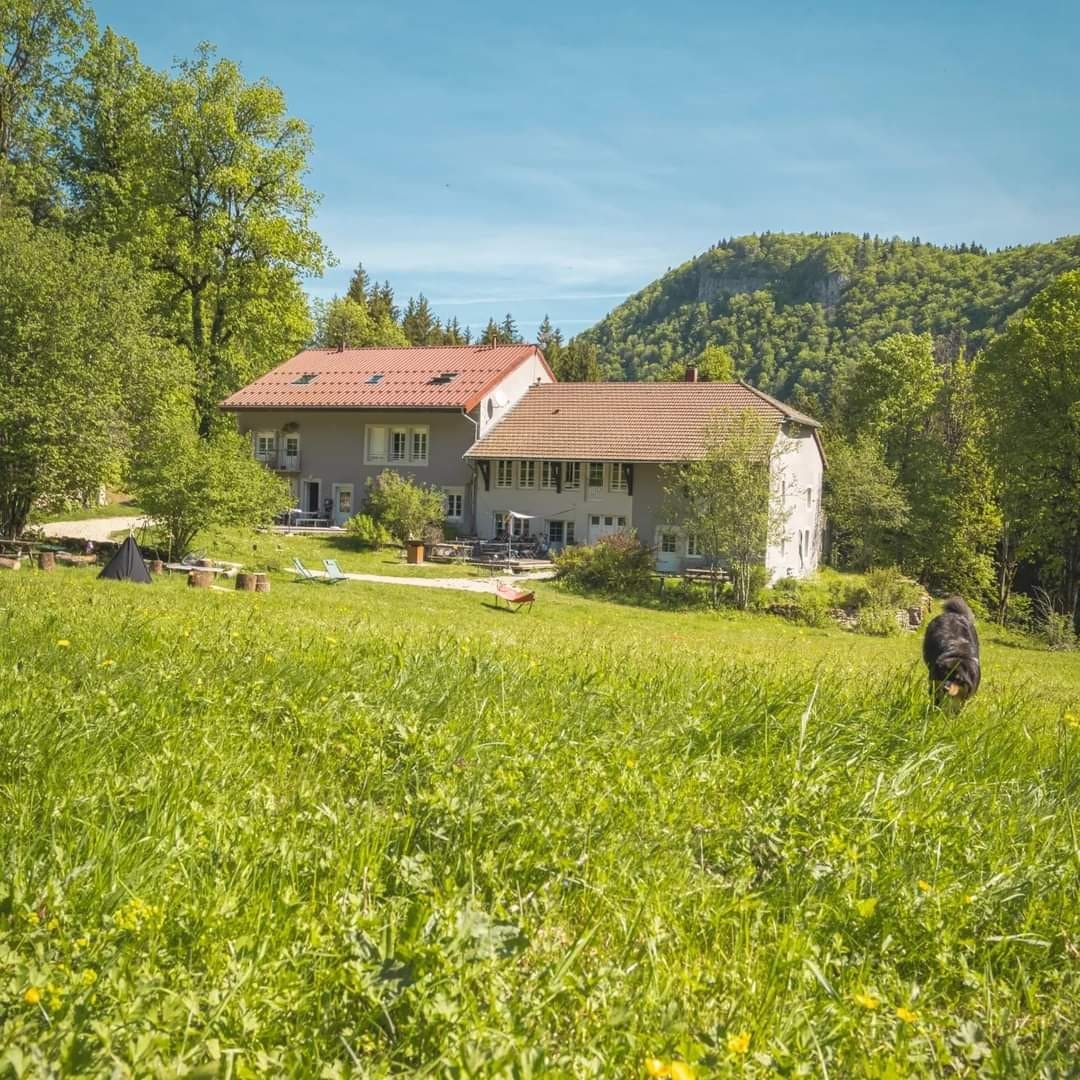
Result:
[691,374]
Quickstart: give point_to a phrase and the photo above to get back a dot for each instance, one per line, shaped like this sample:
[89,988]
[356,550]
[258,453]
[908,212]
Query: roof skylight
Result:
[306,378]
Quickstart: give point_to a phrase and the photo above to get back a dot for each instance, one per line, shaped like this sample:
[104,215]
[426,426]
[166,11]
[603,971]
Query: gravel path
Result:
[474,585]
[91,528]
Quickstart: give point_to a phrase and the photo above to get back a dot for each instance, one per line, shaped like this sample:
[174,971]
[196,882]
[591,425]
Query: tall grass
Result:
[244,836]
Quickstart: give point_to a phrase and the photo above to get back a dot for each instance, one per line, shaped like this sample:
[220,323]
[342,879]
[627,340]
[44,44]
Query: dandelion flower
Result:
[739,1044]
[53,924]
[907,1015]
[655,1067]
[63,643]
[631,763]
[108,663]
[925,886]
[866,907]
[32,996]
[33,918]
[1072,720]
[867,1001]
[89,977]
[680,1070]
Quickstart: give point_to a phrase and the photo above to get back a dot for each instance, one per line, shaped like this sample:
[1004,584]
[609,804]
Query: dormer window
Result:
[306,378]
[374,379]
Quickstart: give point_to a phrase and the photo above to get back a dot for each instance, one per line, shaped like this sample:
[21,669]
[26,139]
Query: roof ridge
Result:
[776,403]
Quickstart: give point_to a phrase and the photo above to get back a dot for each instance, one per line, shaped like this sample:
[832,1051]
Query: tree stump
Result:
[245,582]
[262,582]
[200,579]
[205,562]
[9,563]
[157,566]
[47,560]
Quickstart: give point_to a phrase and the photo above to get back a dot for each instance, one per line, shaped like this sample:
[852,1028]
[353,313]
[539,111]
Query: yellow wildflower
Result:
[32,996]
[631,763]
[907,1015]
[655,1067]
[268,658]
[866,907]
[867,1001]
[89,977]
[81,943]
[739,1044]
[925,886]
[680,1070]
[63,643]
[53,924]
[33,918]
[108,663]
[1072,720]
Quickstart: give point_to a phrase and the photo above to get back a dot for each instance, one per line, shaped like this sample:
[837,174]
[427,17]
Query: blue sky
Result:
[556,157]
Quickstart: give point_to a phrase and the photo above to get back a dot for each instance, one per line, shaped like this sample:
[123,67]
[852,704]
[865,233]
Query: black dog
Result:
[951,652]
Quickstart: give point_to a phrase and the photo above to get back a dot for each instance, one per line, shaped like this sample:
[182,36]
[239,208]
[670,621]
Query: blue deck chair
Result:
[303,573]
[333,571]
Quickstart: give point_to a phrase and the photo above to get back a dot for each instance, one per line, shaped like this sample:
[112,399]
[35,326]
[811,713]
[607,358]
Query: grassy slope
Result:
[361,822]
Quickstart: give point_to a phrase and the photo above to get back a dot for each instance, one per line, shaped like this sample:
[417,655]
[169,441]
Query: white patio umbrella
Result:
[511,517]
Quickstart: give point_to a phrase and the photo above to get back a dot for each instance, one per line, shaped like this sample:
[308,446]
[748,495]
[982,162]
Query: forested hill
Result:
[791,308]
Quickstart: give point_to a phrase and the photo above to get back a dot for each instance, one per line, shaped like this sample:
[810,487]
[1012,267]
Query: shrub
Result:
[886,588]
[618,564]
[1054,629]
[877,621]
[186,484]
[407,510]
[1020,613]
[367,532]
[805,601]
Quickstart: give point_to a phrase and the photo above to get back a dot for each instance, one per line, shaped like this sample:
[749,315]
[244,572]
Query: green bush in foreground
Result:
[245,837]
[619,564]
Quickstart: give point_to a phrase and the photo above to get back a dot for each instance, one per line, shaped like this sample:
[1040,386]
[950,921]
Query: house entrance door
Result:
[311,497]
[343,507]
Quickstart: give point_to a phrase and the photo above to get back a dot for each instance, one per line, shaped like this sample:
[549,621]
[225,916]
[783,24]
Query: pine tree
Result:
[492,333]
[358,285]
[381,303]
[508,332]
[419,323]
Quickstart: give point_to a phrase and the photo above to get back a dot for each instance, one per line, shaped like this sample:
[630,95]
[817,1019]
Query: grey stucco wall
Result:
[332,446]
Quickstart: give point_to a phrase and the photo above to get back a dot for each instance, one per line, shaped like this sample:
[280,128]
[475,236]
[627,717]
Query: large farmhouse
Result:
[493,429]
[330,420]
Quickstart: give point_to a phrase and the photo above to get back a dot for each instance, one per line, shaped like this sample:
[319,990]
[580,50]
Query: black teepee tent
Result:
[127,564]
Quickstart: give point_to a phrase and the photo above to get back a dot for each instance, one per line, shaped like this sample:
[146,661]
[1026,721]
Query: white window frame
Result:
[290,437]
[616,477]
[548,472]
[568,534]
[693,548]
[457,494]
[504,473]
[562,531]
[266,457]
[416,458]
[387,434]
[667,538]
[526,474]
[571,475]
[395,458]
[599,465]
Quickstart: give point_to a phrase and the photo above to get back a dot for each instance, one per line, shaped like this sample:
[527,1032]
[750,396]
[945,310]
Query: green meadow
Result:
[371,830]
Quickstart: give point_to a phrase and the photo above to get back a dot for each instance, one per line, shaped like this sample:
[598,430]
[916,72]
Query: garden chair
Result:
[513,596]
[303,573]
[333,571]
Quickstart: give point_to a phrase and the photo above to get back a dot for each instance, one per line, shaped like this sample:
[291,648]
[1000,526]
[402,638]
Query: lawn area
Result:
[276,551]
[117,506]
[374,830]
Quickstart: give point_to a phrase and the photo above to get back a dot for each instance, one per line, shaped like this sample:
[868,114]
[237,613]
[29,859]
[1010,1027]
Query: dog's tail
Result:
[958,606]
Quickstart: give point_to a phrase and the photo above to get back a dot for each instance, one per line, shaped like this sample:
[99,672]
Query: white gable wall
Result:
[509,390]
[797,476]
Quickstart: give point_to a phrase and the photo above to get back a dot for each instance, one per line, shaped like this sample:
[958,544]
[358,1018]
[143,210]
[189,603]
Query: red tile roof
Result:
[411,378]
[623,421]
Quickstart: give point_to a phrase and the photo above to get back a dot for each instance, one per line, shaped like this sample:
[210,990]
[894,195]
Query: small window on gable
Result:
[307,377]
[375,379]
